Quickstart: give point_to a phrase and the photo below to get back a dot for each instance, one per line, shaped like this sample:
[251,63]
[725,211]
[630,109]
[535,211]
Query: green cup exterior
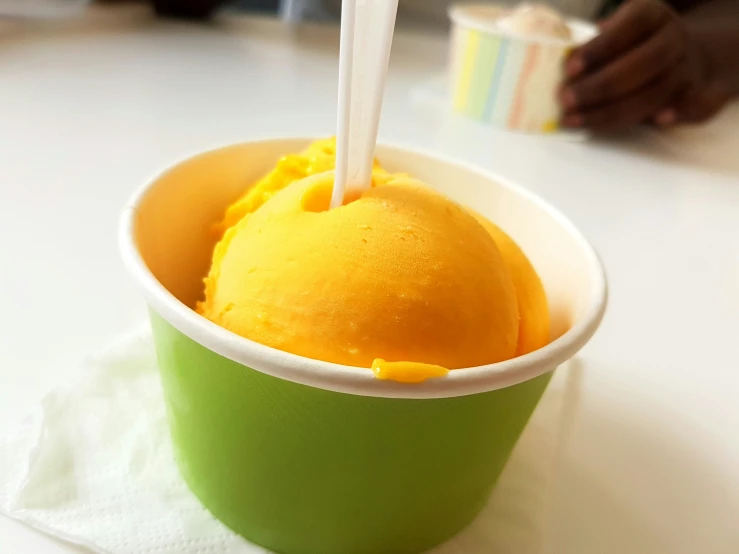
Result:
[301,470]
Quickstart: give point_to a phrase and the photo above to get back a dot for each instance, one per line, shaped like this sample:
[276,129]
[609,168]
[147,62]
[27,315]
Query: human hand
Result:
[643,67]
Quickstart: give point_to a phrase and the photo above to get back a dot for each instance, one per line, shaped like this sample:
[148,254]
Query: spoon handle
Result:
[366,36]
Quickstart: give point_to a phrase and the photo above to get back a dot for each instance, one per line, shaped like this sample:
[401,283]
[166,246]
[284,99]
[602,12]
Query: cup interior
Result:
[170,231]
[173,228]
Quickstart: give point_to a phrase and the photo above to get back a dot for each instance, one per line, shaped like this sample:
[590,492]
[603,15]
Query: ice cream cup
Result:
[307,457]
[505,79]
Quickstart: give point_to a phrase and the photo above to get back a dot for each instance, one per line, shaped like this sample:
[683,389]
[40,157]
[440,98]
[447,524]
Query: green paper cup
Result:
[307,457]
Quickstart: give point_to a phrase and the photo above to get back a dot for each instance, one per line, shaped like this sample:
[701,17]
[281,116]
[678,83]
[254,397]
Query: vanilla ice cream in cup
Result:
[506,65]
[303,456]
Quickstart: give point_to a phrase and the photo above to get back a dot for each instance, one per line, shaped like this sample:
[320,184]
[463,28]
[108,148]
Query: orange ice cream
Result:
[533,308]
[320,156]
[402,274]
[402,280]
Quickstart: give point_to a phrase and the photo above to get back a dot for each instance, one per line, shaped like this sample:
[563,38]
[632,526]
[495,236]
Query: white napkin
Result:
[93,465]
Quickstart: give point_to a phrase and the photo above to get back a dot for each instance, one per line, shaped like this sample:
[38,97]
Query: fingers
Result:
[629,110]
[629,26]
[694,107]
[642,67]
[627,74]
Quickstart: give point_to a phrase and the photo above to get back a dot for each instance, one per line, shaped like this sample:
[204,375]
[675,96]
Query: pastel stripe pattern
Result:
[468,51]
[506,81]
[508,84]
[494,86]
[519,104]
[488,56]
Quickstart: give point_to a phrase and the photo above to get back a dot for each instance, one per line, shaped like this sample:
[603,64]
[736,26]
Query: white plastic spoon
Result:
[367,28]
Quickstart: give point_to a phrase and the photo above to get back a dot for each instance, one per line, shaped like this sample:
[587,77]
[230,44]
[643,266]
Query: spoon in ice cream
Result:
[366,35]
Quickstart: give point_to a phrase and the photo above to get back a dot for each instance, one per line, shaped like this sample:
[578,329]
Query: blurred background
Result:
[410,12]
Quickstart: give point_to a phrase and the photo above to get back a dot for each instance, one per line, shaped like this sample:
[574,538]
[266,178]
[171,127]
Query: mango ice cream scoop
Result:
[402,274]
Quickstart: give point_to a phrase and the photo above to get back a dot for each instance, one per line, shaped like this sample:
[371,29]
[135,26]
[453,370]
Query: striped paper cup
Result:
[506,79]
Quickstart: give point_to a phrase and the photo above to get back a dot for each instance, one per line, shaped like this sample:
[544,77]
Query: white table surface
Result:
[90,108]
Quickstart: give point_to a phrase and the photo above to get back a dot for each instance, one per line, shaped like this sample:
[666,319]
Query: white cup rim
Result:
[354,380]
[459,14]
